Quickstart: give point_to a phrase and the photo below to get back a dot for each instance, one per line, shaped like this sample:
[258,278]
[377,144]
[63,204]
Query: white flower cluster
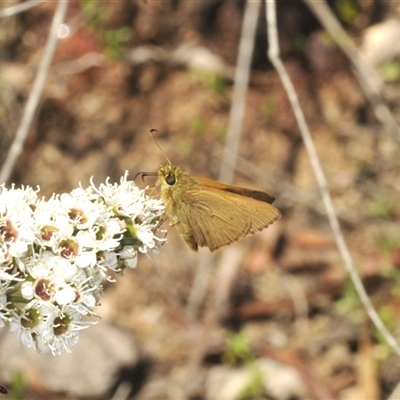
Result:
[55,254]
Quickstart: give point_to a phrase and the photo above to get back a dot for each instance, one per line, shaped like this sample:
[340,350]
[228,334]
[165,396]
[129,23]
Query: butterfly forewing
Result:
[215,220]
[254,194]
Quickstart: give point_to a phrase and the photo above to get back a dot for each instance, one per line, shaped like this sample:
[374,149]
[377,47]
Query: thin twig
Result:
[18,8]
[34,97]
[78,65]
[369,80]
[273,53]
[241,84]
[200,285]
[123,391]
[228,166]
[299,298]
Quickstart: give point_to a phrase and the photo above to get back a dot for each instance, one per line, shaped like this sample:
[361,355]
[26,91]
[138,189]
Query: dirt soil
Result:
[279,303]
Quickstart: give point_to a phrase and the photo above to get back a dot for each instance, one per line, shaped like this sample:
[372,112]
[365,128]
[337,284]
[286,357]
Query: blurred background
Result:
[275,316]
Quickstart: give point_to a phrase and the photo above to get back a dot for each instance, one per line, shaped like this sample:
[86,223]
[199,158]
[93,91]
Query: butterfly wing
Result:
[215,220]
[254,194]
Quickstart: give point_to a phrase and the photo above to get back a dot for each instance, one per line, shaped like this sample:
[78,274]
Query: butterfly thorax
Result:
[174,183]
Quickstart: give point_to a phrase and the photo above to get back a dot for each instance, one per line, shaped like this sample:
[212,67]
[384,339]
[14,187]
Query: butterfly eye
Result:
[170,179]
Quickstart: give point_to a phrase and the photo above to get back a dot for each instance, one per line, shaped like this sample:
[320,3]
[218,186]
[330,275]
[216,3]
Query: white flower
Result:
[4,311]
[65,295]
[32,321]
[62,333]
[27,290]
[129,255]
[109,260]
[55,254]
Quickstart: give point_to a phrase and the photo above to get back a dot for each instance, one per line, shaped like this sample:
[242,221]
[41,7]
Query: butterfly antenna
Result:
[152,131]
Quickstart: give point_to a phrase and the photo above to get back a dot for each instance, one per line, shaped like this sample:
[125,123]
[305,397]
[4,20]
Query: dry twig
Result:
[228,166]
[240,88]
[18,8]
[369,80]
[274,56]
[35,94]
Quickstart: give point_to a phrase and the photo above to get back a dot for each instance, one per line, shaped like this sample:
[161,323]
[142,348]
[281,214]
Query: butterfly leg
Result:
[160,222]
[170,226]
